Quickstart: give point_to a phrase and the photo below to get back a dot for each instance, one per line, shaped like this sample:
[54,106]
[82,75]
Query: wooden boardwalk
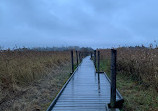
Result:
[86,91]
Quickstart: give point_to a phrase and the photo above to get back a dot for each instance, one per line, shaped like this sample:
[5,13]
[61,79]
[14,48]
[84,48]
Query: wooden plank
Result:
[85,92]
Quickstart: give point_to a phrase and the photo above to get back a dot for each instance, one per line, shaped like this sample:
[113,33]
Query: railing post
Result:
[113,78]
[98,61]
[72,61]
[91,55]
[98,67]
[77,57]
[95,58]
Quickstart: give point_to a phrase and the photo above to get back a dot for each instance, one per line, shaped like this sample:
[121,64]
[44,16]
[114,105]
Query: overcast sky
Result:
[95,23]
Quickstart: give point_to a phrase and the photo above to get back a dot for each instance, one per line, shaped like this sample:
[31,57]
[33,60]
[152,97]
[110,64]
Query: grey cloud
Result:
[101,23]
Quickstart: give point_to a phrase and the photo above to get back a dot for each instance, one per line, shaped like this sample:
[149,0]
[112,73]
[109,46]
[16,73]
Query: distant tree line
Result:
[85,49]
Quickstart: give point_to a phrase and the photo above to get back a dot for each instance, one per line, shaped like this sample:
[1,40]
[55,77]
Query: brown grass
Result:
[22,67]
[19,69]
[137,76]
[141,64]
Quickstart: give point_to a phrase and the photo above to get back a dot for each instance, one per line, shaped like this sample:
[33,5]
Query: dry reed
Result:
[141,64]
[19,68]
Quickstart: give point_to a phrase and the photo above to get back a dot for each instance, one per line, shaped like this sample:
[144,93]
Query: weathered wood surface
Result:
[85,92]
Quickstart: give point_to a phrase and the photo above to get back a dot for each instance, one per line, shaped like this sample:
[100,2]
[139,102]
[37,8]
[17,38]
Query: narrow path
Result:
[85,92]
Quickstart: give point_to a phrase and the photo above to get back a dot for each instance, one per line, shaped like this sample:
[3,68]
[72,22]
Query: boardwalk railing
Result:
[72,74]
[72,61]
[95,58]
[113,103]
[98,68]
[113,78]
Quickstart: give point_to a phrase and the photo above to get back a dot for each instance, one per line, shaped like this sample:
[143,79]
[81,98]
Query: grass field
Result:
[25,74]
[29,80]
[137,77]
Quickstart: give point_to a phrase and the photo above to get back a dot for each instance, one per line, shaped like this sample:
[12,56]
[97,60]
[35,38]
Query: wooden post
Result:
[98,61]
[91,55]
[98,71]
[72,61]
[80,56]
[77,57]
[95,58]
[113,78]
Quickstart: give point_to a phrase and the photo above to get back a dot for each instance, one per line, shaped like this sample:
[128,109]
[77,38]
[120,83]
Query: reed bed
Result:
[18,69]
[141,64]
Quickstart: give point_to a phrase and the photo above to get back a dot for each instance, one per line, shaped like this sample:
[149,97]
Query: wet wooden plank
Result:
[85,91]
